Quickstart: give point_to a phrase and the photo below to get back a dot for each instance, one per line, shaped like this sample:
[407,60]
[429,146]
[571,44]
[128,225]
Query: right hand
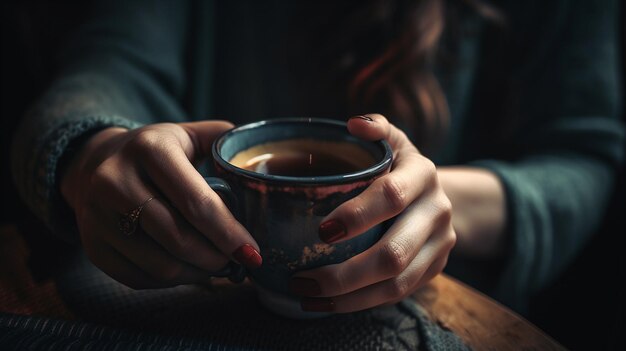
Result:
[183,234]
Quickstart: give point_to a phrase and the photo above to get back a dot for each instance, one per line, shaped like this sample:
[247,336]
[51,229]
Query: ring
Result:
[128,222]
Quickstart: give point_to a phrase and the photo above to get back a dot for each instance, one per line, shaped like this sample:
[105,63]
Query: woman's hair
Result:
[398,79]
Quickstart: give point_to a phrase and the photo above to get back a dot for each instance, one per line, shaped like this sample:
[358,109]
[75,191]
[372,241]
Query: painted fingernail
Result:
[331,231]
[248,256]
[323,304]
[363,117]
[304,286]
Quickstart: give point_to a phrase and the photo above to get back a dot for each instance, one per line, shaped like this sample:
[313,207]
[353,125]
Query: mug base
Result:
[284,305]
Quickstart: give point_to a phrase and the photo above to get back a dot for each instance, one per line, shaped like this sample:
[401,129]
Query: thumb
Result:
[202,135]
[376,127]
[369,127]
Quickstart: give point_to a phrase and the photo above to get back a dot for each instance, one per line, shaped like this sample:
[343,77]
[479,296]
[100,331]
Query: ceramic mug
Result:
[283,212]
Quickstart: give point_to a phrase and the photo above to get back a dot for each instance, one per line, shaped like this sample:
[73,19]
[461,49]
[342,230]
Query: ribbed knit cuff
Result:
[37,174]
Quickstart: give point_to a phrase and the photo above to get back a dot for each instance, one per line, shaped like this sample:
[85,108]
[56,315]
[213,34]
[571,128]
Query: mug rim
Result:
[364,174]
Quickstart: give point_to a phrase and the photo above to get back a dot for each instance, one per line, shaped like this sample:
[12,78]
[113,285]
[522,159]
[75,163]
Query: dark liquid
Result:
[300,164]
[304,158]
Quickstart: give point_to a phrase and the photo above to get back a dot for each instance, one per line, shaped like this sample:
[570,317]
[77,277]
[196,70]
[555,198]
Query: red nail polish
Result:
[248,256]
[363,117]
[323,304]
[331,231]
[304,286]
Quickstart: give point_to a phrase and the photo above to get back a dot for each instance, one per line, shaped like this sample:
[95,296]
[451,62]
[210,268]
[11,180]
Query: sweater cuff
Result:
[44,197]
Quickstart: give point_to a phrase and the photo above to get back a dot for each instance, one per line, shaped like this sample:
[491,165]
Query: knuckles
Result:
[450,239]
[147,140]
[394,193]
[430,172]
[442,209]
[105,177]
[394,257]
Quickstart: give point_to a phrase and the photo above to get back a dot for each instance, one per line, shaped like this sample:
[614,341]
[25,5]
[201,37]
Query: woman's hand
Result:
[184,233]
[411,252]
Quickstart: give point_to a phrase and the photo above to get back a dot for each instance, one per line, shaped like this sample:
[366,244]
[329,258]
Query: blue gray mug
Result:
[283,212]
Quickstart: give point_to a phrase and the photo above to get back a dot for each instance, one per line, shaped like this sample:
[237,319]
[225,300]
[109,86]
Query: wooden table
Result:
[480,321]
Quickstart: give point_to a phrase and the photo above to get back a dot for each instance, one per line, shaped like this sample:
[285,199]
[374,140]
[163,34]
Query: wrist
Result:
[479,210]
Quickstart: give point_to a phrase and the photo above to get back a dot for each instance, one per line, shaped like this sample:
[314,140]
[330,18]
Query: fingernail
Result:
[331,231]
[248,256]
[363,117]
[323,304]
[304,286]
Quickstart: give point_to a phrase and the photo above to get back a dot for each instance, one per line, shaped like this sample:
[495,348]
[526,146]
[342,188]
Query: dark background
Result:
[583,310]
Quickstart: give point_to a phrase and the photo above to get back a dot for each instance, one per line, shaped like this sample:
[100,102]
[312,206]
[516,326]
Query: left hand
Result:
[414,249]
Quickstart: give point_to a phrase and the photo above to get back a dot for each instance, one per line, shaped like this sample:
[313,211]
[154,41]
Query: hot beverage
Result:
[304,158]
[280,178]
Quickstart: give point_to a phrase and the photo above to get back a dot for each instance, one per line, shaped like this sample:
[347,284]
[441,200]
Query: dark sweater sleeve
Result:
[123,67]
[560,177]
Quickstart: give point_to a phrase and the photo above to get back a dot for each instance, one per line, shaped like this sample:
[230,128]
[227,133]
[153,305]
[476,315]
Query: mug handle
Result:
[235,272]
[225,192]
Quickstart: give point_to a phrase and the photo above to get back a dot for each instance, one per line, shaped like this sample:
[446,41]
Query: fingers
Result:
[158,219]
[417,237]
[118,267]
[412,251]
[136,260]
[389,195]
[159,264]
[386,197]
[202,134]
[172,232]
[383,293]
[169,168]
[369,127]
[376,127]
[169,248]
[411,176]
[431,260]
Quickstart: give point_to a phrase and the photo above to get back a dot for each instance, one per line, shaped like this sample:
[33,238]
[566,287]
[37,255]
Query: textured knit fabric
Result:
[533,100]
[204,318]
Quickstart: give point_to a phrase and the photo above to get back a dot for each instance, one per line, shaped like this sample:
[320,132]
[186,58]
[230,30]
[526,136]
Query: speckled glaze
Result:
[282,213]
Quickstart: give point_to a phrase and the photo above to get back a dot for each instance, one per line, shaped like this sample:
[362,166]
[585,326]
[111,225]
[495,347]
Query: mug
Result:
[283,203]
